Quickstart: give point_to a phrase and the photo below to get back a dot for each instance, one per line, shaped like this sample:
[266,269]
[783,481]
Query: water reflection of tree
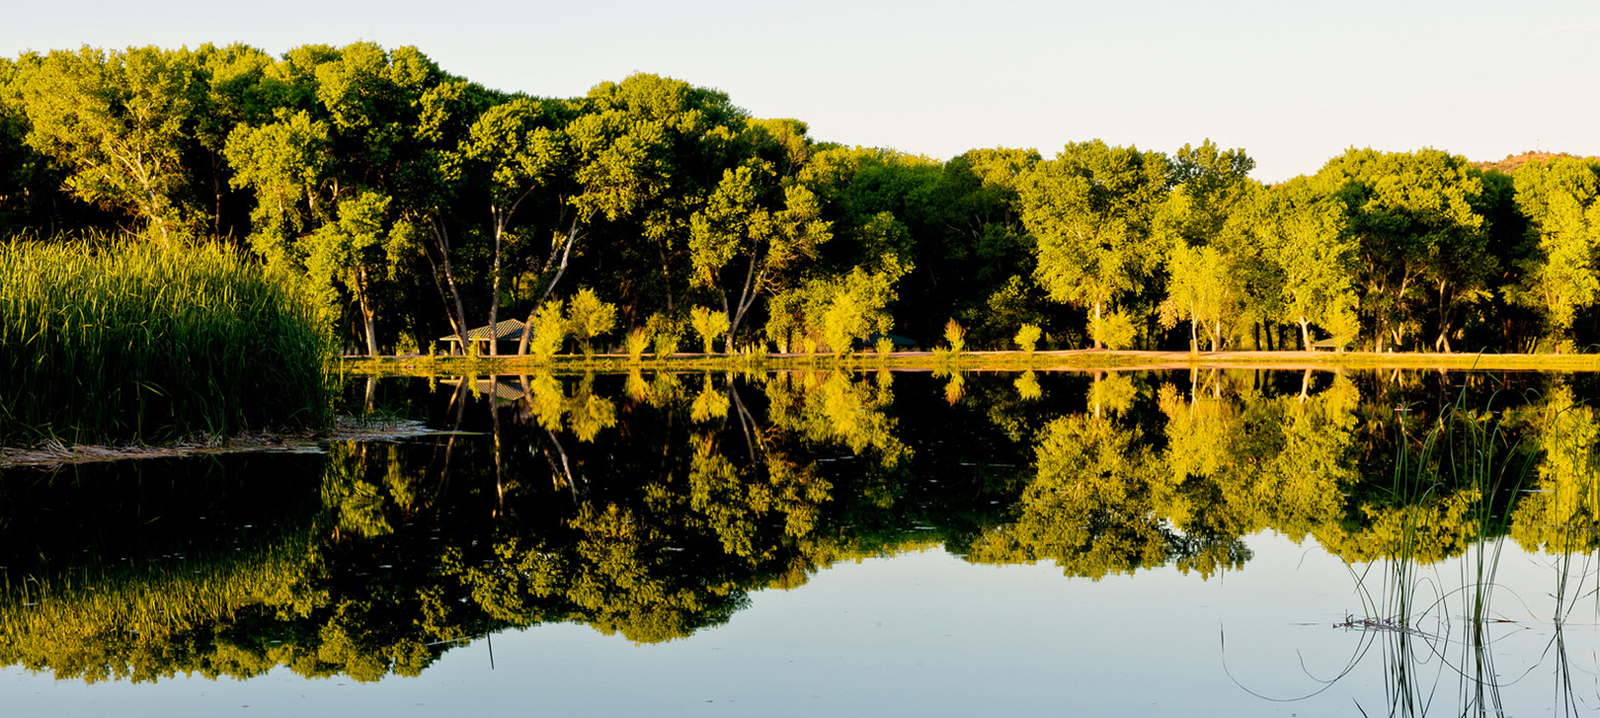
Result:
[650,505]
[420,546]
[1230,460]
[1563,504]
[1092,507]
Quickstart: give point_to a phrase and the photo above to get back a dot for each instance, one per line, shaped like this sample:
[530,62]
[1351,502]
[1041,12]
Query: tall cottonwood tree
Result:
[121,120]
[1090,210]
[756,227]
[1208,252]
[343,161]
[362,249]
[1560,277]
[1303,234]
[1418,221]
[642,155]
[513,149]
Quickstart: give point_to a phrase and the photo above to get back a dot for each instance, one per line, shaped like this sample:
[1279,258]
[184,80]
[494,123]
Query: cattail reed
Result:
[130,342]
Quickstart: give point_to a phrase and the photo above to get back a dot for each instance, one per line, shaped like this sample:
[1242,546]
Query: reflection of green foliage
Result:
[709,403]
[360,483]
[665,389]
[1028,387]
[1232,463]
[546,399]
[144,624]
[837,408]
[1563,510]
[636,387]
[584,412]
[590,412]
[1113,392]
[955,388]
[1091,509]
[1438,527]
[663,527]
[736,505]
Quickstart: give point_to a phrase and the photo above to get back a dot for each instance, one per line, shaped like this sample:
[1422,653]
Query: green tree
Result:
[743,220]
[639,157]
[588,318]
[1208,252]
[121,121]
[513,148]
[1090,210]
[361,249]
[1304,236]
[709,324]
[28,179]
[1560,276]
[338,124]
[1418,221]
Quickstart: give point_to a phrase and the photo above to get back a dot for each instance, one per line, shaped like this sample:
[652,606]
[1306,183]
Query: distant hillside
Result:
[1512,162]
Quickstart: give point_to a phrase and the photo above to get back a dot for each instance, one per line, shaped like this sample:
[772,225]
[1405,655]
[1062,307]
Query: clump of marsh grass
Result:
[1469,455]
[129,342]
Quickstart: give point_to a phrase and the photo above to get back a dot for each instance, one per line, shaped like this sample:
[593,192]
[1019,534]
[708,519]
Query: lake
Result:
[1374,542]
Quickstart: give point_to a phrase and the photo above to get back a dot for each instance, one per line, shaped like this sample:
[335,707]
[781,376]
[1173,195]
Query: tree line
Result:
[421,204]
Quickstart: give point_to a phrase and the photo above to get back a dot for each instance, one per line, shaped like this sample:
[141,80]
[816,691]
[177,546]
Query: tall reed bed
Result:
[132,342]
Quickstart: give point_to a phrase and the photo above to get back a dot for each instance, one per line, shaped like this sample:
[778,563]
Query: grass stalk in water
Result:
[1465,459]
[128,342]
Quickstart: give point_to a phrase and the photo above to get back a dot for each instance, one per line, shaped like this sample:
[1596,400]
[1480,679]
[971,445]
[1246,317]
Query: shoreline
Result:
[1068,360]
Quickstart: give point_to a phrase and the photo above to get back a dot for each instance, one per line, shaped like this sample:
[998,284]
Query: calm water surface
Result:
[797,544]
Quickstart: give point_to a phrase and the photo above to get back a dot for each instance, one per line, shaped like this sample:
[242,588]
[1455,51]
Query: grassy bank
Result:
[1083,360]
[136,343]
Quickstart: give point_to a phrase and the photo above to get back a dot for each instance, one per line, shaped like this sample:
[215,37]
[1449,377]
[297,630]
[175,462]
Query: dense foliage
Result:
[425,205]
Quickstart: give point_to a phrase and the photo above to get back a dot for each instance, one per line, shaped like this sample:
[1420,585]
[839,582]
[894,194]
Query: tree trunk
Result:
[441,238]
[561,269]
[499,454]
[747,297]
[369,320]
[494,301]
[1095,328]
[371,325]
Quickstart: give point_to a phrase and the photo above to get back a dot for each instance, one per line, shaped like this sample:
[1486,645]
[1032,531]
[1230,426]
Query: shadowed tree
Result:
[1560,276]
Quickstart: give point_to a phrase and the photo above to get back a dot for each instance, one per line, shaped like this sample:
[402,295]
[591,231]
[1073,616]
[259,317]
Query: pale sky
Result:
[1293,83]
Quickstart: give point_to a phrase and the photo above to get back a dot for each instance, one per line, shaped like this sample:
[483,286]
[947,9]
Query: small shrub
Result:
[635,343]
[666,332]
[549,330]
[710,324]
[1028,337]
[589,318]
[955,335]
[1115,330]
